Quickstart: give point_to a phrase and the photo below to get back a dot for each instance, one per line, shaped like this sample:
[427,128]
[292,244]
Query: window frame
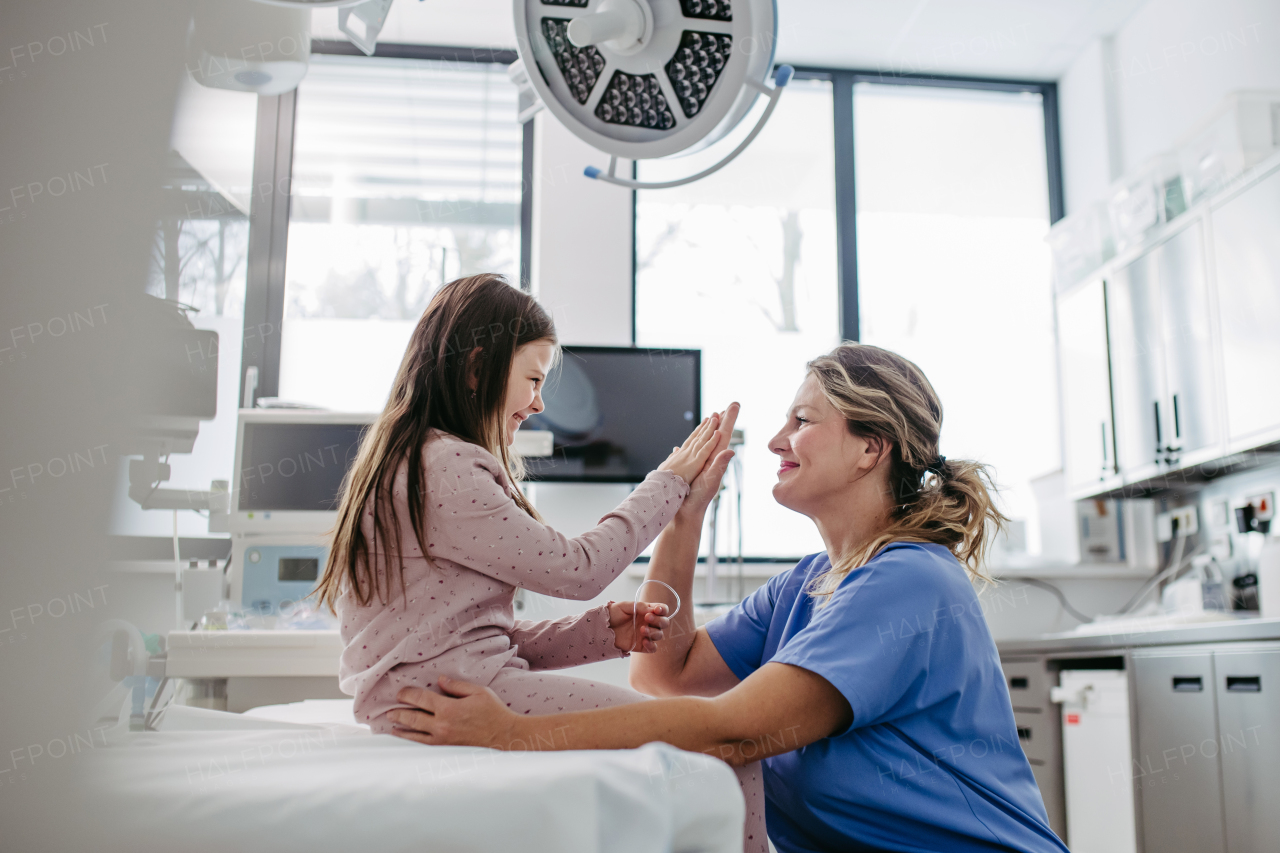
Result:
[269,209]
[842,82]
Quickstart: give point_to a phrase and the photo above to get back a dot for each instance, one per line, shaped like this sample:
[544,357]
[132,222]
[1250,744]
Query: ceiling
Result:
[1028,39]
[1035,39]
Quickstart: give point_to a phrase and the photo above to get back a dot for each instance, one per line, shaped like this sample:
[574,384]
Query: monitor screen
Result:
[295,466]
[615,413]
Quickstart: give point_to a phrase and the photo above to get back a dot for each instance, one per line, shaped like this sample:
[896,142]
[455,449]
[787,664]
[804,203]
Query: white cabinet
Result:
[1089,432]
[1194,413]
[1246,240]
[1137,363]
[1162,352]
[1185,371]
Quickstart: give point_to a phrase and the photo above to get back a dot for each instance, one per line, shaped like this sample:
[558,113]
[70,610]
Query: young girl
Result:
[434,535]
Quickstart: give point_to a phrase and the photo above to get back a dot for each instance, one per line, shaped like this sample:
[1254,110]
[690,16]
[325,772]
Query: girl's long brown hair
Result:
[481,314]
[948,502]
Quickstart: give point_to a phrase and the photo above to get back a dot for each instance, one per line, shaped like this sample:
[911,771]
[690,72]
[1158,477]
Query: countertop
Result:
[1234,631]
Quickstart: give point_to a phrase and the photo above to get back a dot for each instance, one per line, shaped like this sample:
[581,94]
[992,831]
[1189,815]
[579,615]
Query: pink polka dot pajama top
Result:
[458,618]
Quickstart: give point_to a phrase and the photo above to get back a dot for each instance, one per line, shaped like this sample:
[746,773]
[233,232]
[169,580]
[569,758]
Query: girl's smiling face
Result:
[529,370]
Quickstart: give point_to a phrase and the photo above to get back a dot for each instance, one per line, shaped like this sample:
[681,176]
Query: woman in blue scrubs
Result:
[865,676]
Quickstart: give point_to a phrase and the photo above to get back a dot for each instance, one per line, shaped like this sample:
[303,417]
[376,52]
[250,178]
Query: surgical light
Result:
[642,79]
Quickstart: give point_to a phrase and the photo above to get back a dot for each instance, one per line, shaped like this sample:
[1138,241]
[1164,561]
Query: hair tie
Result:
[936,465]
[635,608]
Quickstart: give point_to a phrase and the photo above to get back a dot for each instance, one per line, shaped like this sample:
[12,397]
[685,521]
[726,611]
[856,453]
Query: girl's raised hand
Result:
[687,460]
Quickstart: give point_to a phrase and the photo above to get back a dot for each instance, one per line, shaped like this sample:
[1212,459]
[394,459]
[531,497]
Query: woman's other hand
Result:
[466,715]
[704,486]
[651,620]
[689,458]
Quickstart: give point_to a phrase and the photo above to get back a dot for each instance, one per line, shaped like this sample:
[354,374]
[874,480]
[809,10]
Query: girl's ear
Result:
[473,368]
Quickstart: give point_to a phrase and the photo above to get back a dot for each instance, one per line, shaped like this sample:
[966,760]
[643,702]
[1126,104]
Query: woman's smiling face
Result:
[817,453]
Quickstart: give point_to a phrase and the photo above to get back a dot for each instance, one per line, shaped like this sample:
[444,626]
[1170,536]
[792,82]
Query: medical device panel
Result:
[289,468]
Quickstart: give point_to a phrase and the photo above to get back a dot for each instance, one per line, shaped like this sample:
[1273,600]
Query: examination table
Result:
[304,777]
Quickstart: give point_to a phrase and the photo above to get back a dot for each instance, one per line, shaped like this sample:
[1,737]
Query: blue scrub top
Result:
[931,760]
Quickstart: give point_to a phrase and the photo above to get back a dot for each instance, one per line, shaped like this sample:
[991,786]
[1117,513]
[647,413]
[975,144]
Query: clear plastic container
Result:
[1080,243]
[1141,202]
[1242,132]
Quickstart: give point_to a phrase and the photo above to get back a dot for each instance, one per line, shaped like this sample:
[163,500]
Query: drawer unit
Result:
[1248,694]
[1039,731]
[1175,765]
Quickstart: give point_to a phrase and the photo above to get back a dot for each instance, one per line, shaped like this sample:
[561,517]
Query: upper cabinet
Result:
[1246,245]
[1089,434]
[1193,415]
[1137,363]
[1162,353]
[1168,354]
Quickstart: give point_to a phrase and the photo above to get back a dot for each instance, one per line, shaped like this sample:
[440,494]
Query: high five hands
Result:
[703,487]
[639,627]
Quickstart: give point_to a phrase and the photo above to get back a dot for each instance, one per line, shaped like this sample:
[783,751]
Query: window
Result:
[742,265]
[406,175]
[946,188]
[953,270]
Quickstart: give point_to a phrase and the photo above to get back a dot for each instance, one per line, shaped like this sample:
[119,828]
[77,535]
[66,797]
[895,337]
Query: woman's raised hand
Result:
[704,486]
[688,460]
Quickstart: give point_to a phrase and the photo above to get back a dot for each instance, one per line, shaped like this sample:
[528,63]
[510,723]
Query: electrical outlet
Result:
[1187,518]
[1264,506]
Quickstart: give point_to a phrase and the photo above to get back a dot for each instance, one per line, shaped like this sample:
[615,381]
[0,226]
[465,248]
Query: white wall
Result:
[582,238]
[1167,68]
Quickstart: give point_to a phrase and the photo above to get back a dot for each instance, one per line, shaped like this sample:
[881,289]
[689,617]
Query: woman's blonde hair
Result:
[945,501]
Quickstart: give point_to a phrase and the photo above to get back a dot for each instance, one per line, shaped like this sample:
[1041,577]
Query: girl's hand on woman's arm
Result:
[625,617]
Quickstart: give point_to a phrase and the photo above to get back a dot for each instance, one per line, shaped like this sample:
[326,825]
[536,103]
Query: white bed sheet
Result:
[215,781]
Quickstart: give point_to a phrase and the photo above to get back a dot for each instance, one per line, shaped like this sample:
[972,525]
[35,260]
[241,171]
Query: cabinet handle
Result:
[1105,464]
[1244,683]
[1188,684]
[1177,425]
[1159,438]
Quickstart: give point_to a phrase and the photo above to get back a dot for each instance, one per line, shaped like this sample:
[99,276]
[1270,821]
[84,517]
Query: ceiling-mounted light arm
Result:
[781,78]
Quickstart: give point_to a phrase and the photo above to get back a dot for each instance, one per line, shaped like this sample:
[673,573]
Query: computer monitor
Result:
[289,468]
[613,413]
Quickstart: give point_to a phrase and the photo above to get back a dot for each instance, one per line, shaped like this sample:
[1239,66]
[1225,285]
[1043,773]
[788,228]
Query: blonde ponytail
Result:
[948,502]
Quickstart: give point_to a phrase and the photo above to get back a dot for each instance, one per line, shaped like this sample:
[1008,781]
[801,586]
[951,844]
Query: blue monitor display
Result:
[616,412]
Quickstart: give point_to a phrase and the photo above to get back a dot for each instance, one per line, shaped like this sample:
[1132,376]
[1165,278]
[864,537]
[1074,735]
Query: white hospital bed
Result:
[304,777]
